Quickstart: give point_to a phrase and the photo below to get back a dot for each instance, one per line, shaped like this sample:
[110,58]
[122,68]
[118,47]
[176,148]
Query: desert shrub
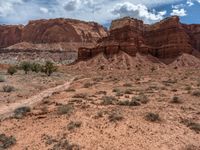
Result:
[8,88]
[116,90]
[141,98]
[63,144]
[59,143]
[26,66]
[192,125]
[35,67]
[80,95]
[108,100]
[65,109]
[6,142]
[127,85]
[72,125]
[70,90]
[49,68]
[97,79]
[153,117]
[128,91]
[176,100]
[129,103]
[2,78]
[113,117]
[12,70]
[196,93]
[21,112]
[188,88]
[88,84]
[99,115]
[101,92]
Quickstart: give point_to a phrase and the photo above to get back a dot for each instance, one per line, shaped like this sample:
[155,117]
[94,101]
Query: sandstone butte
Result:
[165,40]
[51,32]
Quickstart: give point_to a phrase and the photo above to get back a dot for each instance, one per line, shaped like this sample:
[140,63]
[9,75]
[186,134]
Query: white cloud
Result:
[138,11]
[198,1]
[189,3]
[44,10]
[20,11]
[179,12]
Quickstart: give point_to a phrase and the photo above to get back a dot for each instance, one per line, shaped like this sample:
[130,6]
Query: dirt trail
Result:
[7,111]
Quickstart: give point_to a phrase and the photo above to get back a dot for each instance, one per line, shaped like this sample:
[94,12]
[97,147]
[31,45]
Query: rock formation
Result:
[166,39]
[55,39]
[52,31]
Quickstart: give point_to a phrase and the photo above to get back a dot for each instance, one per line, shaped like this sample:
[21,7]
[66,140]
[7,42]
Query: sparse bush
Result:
[176,100]
[127,85]
[21,112]
[59,144]
[80,95]
[128,91]
[108,100]
[72,125]
[6,142]
[116,90]
[101,92]
[8,88]
[70,90]
[98,115]
[152,117]
[141,98]
[196,93]
[192,125]
[63,144]
[87,85]
[49,68]
[26,66]
[113,117]
[129,103]
[12,70]
[35,67]
[2,78]
[65,109]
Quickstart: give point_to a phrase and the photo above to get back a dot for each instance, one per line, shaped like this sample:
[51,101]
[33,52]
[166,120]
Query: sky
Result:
[101,11]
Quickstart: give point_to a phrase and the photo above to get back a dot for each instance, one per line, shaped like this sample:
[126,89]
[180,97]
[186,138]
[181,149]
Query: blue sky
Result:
[101,11]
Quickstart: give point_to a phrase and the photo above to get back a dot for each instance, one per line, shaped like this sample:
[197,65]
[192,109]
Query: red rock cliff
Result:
[52,31]
[165,39]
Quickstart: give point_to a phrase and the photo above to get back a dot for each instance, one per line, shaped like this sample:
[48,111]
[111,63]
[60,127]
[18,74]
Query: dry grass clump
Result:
[8,88]
[192,125]
[196,93]
[65,109]
[6,141]
[114,116]
[20,112]
[108,100]
[72,125]
[153,117]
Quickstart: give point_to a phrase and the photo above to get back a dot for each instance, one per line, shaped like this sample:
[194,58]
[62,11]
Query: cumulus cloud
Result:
[189,3]
[44,10]
[179,12]
[138,11]
[102,11]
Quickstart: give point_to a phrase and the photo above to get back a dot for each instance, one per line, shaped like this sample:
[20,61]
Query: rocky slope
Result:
[51,31]
[165,40]
[57,40]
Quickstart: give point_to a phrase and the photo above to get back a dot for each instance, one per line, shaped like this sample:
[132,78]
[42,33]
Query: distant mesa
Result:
[74,40]
[164,40]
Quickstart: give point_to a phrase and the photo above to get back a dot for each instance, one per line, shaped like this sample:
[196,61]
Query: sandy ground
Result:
[92,123]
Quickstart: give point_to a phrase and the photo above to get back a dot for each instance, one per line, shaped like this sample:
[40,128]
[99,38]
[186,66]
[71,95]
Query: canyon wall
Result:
[51,31]
[165,39]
